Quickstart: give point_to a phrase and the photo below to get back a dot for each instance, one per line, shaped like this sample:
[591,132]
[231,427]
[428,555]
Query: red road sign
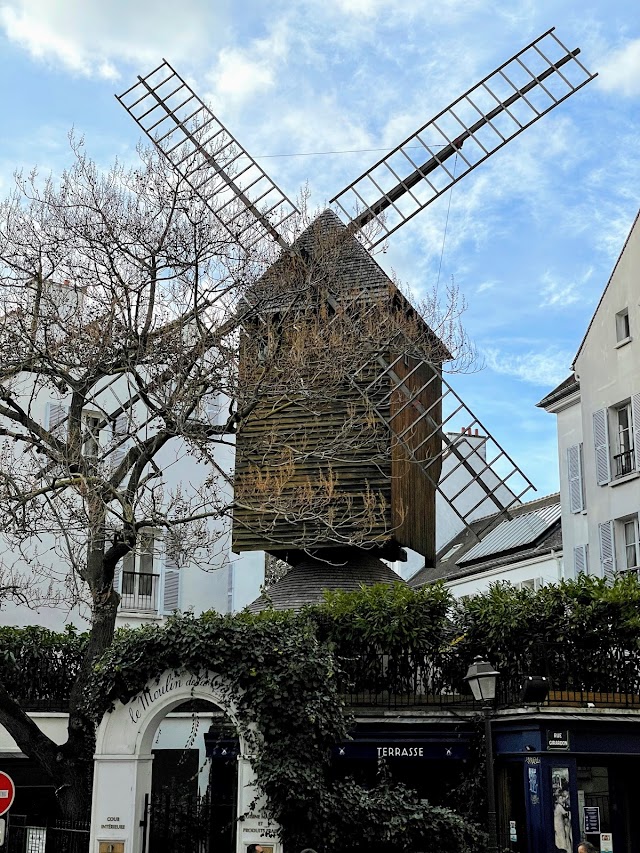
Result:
[7,792]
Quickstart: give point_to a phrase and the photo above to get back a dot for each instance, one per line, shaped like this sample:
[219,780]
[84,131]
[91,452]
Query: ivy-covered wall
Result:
[283,678]
[287,670]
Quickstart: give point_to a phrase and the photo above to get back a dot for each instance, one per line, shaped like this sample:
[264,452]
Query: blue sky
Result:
[532,234]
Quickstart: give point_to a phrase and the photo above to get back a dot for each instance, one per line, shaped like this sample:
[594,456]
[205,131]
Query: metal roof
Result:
[521,530]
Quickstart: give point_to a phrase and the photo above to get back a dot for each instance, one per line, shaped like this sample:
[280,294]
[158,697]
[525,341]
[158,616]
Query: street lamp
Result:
[482,678]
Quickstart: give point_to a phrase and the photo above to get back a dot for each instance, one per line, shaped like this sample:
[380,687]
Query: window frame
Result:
[90,436]
[624,459]
[626,524]
[623,326]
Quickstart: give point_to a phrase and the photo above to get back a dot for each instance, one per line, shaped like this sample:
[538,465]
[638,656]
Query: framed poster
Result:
[592,819]
[562,832]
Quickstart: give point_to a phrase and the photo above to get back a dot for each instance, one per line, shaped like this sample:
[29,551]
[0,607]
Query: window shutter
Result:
[216,410]
[120,429]
[635,418]
[601,446]
[574,467]
[56,419]
[607,549]
[170,586]
[581,560]
[117,577]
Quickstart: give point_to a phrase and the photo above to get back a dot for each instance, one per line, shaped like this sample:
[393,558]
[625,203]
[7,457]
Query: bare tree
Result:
[128,318]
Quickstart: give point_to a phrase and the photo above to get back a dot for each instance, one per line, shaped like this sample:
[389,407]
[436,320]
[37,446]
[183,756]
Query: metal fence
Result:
[60,836]
[576,676]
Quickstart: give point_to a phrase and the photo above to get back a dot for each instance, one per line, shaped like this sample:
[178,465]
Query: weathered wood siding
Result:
[320,471]
[317,479]
[413,497]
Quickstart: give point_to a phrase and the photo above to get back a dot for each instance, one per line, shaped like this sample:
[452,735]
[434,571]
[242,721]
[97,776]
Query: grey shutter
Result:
[607,549]
[581,560]
[117,576]
[635,418]
[56,419]
[170,585]
[574,467]
[601,446]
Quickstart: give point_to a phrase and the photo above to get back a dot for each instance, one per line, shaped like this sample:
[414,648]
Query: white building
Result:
[598,417]
[150,582]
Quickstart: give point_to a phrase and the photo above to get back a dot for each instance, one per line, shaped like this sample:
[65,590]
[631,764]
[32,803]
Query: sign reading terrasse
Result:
[166,685]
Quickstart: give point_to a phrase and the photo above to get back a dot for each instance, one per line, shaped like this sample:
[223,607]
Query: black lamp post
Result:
[482,679]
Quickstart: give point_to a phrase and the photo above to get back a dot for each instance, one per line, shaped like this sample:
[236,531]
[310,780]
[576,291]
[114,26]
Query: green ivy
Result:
[38,667]
[282,678]
[285,671]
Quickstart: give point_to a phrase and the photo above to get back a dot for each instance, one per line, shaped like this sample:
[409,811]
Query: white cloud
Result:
[486,285]
[548,367]
[90,38]
[243,72]
[620,72]
[560,294]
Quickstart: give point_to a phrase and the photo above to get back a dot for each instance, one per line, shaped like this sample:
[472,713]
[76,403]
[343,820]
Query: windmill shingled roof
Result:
[352,269]
[305,583]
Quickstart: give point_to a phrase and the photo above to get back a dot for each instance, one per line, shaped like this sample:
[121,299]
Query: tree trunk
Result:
[69,765]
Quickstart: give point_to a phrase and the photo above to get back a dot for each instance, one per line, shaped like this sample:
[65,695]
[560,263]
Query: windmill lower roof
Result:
[306,582]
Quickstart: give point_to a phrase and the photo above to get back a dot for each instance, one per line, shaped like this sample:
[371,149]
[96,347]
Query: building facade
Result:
[598,418]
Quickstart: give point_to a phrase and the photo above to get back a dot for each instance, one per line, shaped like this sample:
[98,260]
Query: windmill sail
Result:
[514,96]
[492,480]
[251,207]
[200,148]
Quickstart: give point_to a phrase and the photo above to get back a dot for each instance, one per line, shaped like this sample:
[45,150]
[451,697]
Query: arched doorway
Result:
[123,765]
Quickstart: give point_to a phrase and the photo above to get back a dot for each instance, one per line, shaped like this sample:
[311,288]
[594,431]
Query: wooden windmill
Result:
[394,402]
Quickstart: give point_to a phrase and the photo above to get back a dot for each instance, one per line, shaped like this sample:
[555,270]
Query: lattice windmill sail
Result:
[476,125]
[412,402]
[206,155]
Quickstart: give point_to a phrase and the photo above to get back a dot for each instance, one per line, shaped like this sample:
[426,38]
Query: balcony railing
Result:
[139,591]
[625,463]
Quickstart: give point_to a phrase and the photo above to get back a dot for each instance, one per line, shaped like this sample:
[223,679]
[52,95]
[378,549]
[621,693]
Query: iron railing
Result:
[139,591]
[58,836]
[579,677]
[578,674]
[625,463]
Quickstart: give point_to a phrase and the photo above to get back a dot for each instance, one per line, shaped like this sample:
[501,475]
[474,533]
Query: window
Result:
[450,552]
[139,583]
[623,331]
[619,545]
[616,434]
[533,584]
[91,435]
[148,578]
[631,555]
[623,459]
